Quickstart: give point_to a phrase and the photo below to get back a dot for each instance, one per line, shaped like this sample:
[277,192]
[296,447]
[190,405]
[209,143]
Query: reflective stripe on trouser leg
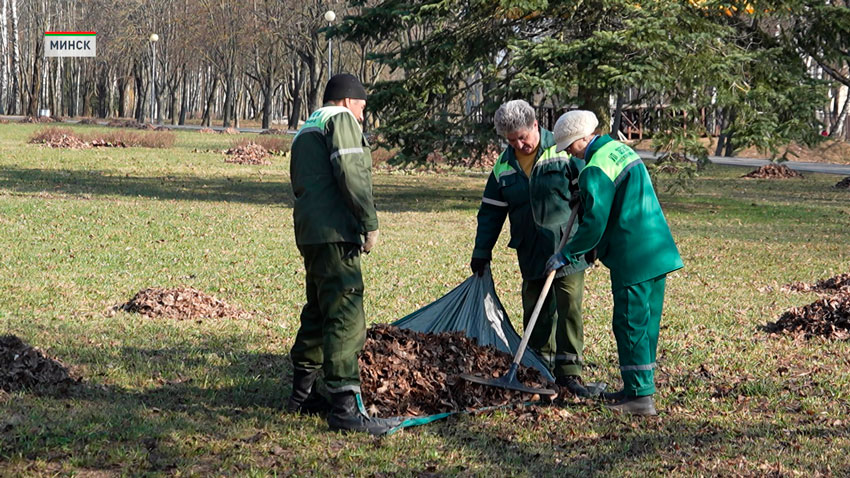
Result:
[542,339]
[637,317]
[339,288]
[569,328]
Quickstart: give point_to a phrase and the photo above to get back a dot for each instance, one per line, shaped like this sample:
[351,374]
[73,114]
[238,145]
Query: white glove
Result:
[371,240]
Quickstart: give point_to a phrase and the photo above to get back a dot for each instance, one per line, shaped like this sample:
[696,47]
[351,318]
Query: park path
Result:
[803,166]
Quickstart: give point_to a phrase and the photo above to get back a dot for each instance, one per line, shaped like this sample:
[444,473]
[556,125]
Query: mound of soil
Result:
[25,367]
[773,171]
[40,119]
[117,123]
[250,153]
[833,284]
[182,303]
[206,130]
[843,184]
[406,373]
[827,317]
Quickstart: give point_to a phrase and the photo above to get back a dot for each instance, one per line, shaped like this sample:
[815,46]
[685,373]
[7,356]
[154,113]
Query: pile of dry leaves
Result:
[827,317]
[229,130]
[406,373]
[183,303]
[843,184]
[67,141]
[773,171]
[250,153]
[206,131]
[833,284]
[25,367]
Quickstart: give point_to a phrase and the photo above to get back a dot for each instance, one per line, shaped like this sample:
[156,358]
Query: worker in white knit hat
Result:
[623,221]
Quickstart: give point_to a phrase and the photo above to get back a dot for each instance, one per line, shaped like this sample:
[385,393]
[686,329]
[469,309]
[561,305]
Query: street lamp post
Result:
[330,16]
[153,38]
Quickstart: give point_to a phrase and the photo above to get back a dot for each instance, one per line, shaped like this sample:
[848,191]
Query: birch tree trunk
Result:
[4,55]
[16,61]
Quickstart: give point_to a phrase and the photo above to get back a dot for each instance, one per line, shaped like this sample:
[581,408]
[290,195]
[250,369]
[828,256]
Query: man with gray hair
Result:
[558,336]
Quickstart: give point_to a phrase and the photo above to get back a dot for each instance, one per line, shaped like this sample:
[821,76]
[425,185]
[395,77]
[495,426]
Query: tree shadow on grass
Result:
[107,183]
[389,196]
[672,445]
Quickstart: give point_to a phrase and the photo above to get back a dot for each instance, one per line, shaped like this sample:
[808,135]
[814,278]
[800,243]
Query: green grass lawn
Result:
[81,231]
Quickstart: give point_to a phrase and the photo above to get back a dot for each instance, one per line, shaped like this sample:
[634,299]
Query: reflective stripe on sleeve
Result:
[346,151]
[493,202]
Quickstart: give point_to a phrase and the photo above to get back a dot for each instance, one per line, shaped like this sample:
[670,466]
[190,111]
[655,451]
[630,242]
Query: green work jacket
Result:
[331,174]
[622,217]
[508,195]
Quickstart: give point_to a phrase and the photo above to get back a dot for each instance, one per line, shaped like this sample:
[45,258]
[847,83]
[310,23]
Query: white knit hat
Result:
[572,126]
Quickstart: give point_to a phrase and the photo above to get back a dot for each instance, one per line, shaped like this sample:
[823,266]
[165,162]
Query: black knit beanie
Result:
[342,86]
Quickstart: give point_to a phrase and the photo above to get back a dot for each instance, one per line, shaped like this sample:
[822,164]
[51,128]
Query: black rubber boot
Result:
[348,414]
[617,396]
[574,385]
[304,399]
[635,405]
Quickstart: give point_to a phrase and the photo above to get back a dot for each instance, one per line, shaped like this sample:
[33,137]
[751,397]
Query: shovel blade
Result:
[503,382]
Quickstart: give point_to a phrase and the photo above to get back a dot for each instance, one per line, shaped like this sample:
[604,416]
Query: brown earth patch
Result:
[182,303]
[40,119]
[773,171]
[406,373]
[25,367]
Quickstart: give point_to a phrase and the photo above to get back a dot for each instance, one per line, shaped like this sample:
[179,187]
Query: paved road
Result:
[826,168]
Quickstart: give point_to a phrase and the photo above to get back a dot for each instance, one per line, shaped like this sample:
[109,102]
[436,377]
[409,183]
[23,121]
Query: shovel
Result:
[509,380]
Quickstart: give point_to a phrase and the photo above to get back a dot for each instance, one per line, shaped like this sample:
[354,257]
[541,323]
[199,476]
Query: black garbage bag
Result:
[474,309]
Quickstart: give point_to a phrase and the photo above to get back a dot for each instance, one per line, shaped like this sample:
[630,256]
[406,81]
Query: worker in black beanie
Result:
[335,223]
[343,86]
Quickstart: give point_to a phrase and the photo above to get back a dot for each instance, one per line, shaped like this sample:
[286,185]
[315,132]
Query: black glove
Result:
[590,256]
[478,265]
[573,187]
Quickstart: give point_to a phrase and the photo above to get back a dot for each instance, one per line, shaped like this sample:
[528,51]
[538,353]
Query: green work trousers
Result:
[558,335]
[637,318]
[333,324]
